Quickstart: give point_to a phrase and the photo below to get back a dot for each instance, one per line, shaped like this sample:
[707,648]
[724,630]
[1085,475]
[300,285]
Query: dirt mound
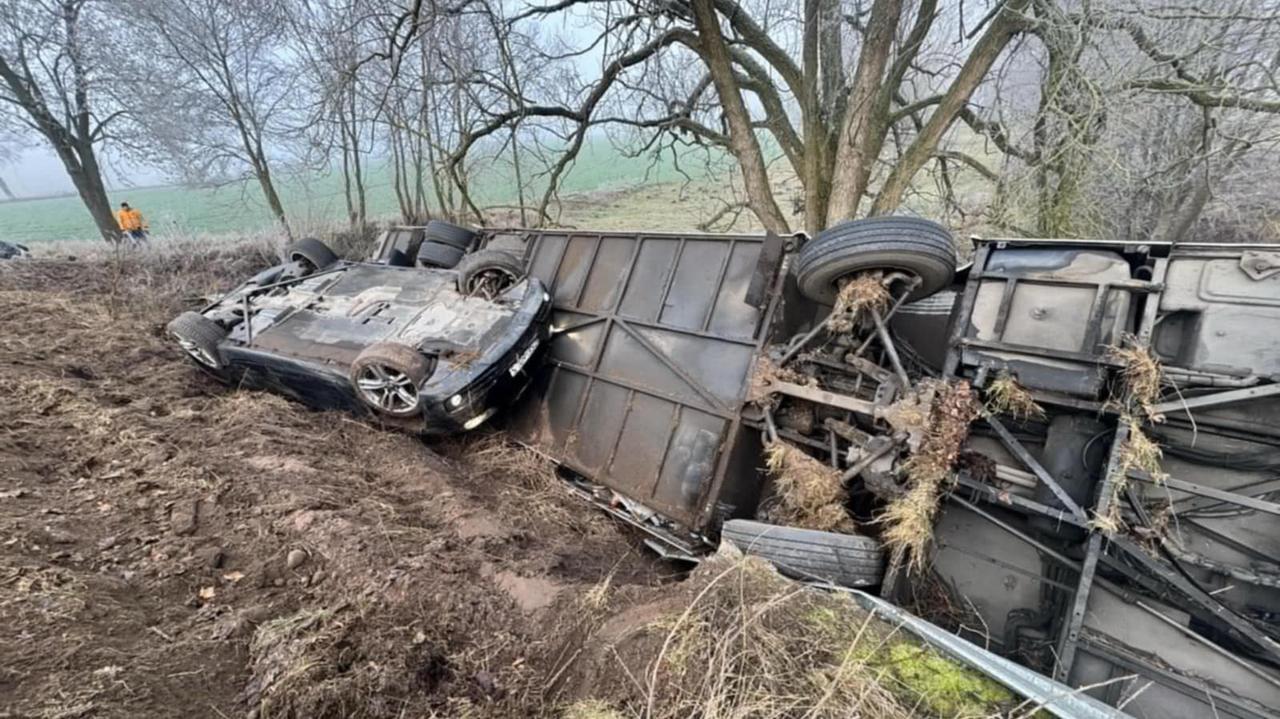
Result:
[174,548]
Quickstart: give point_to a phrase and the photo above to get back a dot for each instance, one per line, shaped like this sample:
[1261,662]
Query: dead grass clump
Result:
[495,455]
[1109,521]
[741,641]
[1137,452]
[865,291]
[909,518]
[1141,380]
[287,659]
[764,374]
[1141,375]
[1141,452]
[807,493]
[592,709]
[1005,396]
[751,644]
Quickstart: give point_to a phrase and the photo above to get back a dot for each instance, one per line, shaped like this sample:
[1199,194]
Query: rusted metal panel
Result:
[652,349]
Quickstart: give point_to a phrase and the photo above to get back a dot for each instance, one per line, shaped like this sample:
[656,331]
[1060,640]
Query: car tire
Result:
[910,244]
[387,377]
[200,338]
[313,251]
[850,560]
[447,233]
[487,263]
[433,254]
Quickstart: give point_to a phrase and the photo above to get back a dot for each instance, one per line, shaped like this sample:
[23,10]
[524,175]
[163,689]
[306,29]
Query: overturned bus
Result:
[1064,451]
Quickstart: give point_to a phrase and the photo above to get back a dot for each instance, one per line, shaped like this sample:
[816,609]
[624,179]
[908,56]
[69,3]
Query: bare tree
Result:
[768,66]
[50,81]
[1140,111]
[226,87]
[341,118]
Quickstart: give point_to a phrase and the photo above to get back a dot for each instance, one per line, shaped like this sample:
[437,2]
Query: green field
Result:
[312,201]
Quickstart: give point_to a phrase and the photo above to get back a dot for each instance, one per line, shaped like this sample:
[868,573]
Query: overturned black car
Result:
[432,349]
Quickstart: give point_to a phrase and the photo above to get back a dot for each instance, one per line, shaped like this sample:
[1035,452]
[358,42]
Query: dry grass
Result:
[865,291]
[747,643]
[807,493]
[1141,452]
[1005,396]
[1137,452]
[1141,380]
[497,456]
[909,519]
[1141,376]
[592,709]
[764,374]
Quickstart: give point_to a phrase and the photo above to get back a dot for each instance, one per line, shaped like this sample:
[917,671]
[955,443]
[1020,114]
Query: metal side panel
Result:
[652,349]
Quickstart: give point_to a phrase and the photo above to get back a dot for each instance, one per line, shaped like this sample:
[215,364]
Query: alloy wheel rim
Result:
[490,282]
[200,354]
[388,389]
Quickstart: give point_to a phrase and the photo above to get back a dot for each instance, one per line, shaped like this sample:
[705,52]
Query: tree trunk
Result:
[357,169]
[420,211]
[75,151]
[93,193]
[742,139]
[273,199]
[830,24]
[515,163]
[815,180]
[430,126]
[346,171]
[861,136]
[398,180]
[87,179]
[1176,226]
[1007,23]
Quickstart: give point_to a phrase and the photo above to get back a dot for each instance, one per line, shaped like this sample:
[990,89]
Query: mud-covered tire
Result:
[489,262]
[387,378]
[850,560]
[447,233]
[199,337]
[910,244]
[434,254]
[313,251]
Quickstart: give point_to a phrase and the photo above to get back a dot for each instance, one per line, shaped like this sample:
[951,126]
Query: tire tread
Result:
[847,559]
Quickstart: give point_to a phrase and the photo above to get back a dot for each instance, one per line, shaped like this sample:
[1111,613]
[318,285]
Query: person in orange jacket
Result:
[131,223]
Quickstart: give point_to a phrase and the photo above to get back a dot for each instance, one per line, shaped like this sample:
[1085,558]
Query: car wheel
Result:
[907,244]
[388,378]
[489,273]
[447,233]
[199,336]
[850,560]
[433,254]
[311,250]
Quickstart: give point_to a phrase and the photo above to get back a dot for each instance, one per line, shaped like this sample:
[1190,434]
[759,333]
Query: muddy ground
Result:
[175,548]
